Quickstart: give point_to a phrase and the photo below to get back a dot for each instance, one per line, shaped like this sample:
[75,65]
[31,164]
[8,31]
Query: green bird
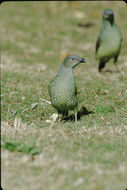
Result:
[62,88]
[108,44]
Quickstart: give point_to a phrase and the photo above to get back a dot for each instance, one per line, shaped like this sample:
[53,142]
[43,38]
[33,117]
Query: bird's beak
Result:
[83,60]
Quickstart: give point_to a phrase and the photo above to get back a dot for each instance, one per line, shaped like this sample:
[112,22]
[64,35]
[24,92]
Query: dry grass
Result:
[48,168]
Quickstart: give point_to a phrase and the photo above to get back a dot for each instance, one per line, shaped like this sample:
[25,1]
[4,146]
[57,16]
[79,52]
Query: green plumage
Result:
[63,92]
[62,88]
[109,40]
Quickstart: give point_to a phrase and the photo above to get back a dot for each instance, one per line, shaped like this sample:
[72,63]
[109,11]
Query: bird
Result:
[109,40]
[62,89]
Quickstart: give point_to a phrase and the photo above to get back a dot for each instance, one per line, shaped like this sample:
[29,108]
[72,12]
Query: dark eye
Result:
[73,59]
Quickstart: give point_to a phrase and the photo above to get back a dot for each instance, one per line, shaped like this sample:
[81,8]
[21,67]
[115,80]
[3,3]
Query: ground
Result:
[36,154]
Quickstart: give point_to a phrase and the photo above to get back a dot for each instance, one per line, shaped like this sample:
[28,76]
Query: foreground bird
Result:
[108,44]
[62,88]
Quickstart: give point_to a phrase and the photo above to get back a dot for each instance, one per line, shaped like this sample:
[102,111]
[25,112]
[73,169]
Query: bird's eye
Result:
[73,59]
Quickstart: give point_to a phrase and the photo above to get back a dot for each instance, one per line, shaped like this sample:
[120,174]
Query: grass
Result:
[89,155]
[17,146]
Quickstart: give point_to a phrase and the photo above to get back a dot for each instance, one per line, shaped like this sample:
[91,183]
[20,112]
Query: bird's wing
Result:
[98,43]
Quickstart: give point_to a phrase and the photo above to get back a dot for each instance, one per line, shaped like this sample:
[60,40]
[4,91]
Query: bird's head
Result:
[72,61]
[108,15]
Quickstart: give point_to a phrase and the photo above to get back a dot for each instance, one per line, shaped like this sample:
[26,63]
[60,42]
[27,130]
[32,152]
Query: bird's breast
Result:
[110,44]
[62,92]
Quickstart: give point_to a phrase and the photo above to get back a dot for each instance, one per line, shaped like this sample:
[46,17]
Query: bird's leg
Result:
[115,60]
[118,69]
[76,116]
[101,65]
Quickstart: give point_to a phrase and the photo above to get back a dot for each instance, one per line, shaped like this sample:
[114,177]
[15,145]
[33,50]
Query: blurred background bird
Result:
[108,44]
[62,88]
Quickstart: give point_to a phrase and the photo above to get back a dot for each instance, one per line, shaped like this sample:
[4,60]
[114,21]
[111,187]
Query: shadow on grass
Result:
[110,71]
[86,25]
[80,114]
